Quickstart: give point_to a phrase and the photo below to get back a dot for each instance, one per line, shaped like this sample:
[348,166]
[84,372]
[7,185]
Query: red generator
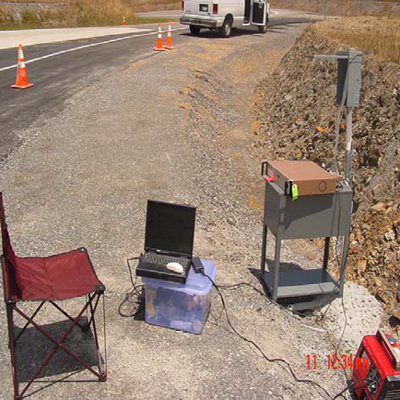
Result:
[376,369]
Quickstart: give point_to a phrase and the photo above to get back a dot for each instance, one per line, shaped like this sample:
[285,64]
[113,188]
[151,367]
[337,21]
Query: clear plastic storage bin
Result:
[180,306]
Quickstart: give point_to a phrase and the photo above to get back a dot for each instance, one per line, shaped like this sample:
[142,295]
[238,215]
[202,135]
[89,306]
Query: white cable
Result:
[337,124]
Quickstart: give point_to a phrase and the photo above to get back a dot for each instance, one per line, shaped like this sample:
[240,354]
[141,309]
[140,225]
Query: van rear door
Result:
[258,12]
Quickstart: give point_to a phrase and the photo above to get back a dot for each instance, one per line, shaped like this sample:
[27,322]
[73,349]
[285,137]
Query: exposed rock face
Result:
[297,121]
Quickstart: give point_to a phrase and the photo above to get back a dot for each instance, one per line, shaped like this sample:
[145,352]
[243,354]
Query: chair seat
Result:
[57,277]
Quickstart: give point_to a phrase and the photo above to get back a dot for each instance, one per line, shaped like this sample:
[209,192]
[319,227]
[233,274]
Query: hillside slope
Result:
[296,120]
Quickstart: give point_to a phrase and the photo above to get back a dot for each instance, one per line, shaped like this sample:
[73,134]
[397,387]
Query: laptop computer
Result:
[169,238]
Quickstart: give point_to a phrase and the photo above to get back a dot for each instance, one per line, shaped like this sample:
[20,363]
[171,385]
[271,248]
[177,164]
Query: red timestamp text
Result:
[334,362]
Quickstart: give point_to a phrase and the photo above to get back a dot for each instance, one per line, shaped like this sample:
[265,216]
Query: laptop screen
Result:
[170,227]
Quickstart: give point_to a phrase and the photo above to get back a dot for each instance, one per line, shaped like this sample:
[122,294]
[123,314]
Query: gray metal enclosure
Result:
[326,215]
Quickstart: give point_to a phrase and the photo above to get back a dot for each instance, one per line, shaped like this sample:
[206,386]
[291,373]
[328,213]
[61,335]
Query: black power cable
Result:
[293,312]
[271,360]
[136,291]
[351,386]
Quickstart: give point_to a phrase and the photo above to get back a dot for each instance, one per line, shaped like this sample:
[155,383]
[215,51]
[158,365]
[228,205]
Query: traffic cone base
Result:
[16,86]
[159,49]
[22,78]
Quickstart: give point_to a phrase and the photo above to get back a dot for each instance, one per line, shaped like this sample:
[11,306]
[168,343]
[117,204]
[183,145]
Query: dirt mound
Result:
[297,121]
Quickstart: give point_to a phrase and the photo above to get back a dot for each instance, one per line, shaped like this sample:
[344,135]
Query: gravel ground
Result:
[174,127]
[362,316]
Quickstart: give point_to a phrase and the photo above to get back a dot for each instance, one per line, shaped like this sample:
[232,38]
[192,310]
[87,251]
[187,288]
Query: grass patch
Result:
[72,13]
[36,1]
[376,35]
[155,5]
[35,23]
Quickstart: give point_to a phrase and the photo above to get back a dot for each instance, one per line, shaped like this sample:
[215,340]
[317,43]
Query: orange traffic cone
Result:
[22,77]
[123,21]
[159,46]
[168,43]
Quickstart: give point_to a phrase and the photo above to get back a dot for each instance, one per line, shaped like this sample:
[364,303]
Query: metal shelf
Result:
[302,283]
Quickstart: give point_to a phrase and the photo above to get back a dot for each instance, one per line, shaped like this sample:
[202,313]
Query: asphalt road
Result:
[60,77]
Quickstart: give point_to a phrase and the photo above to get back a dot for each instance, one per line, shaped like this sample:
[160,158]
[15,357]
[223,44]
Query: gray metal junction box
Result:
[349,62]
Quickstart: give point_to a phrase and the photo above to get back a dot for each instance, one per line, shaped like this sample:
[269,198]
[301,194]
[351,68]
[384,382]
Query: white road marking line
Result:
[86,46]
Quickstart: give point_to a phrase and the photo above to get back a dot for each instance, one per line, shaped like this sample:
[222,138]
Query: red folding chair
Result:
[47,279]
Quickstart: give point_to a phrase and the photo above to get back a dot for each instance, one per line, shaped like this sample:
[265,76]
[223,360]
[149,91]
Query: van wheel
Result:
[262,29]
[226,28]
[194,29]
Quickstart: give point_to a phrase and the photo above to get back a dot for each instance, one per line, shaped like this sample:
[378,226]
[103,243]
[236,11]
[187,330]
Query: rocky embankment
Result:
[296,117]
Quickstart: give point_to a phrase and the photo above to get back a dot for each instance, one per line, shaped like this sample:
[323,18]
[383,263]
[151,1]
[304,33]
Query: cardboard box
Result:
[180,306]
[309,177]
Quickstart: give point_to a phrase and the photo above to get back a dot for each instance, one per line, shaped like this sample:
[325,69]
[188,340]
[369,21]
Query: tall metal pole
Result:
[349,131]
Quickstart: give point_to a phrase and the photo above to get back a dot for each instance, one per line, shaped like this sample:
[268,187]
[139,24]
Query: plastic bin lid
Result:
[196,283]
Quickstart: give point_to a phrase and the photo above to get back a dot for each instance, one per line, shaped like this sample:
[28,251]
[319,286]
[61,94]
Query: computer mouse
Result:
[176,267]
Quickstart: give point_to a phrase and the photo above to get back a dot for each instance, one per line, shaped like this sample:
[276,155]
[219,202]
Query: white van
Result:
[224,15]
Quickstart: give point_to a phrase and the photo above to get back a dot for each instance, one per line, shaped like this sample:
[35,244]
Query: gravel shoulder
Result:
[174,127]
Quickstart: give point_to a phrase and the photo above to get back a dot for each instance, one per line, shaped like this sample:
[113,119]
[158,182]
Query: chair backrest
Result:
[11,287]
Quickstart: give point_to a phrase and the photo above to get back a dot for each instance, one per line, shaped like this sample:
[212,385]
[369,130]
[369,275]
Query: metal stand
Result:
[312,216]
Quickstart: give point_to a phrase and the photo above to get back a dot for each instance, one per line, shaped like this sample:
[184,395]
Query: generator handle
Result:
[264,168]
[395,354]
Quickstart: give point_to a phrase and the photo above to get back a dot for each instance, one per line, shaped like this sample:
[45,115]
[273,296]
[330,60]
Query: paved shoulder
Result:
[28,37]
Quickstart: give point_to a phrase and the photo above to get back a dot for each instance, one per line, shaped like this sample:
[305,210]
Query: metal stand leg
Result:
[264,249]
[348,156]
[276,267]
[326,253]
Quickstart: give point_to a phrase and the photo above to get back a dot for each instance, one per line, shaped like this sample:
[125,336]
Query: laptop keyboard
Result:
[161,259]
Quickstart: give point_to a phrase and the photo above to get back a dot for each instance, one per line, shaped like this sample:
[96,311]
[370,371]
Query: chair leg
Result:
[11,307]
[86,325]
[92,309]
[102,370]
[12,345]
[29,321]
[58,345]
